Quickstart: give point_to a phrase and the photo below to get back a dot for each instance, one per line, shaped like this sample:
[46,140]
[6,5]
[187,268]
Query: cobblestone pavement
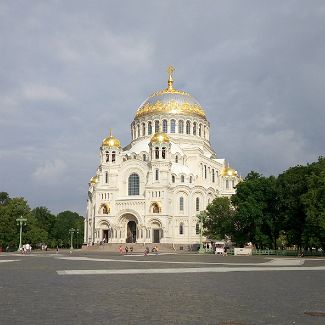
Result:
[104,288]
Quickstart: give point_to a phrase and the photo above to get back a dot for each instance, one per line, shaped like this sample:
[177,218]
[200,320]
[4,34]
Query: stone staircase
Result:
[140,248]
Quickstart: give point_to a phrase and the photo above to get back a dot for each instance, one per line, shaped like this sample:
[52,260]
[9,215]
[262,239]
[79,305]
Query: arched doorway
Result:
[129,223]
[157,232]
[131,232]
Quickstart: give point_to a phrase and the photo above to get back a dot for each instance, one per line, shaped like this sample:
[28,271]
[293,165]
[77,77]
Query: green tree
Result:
[219,220]
[314,205]
[291,185]
[4,198]
[9,231]
[65,221]
[45,219]
[256,218]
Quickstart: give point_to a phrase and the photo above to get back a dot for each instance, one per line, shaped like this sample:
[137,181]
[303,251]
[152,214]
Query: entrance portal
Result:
[131,232]
[156,235]
[105,236]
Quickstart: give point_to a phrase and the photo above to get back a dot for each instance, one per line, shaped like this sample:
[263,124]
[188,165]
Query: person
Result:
[147,250]
[57,249]
[131,250]
[126,250]
[156,250]
[121,250]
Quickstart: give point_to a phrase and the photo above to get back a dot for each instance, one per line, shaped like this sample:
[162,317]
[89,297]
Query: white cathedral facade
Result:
[152,190]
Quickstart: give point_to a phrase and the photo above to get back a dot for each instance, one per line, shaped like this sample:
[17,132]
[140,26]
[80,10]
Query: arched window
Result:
[149,128]
[155,208]
[191,179]
[143,129]
[134,184]
[227,184]
[188,127]
[156,126]
[204,131]
[176,159]
[182,178]
[107,156]
[213,176]
[105,210]
[138,129]
[200,129]
[181,228]
[197,228]
[194,128]
[172,126]
[113,156]
[144,157]
[181,204]
[106,177]
[157,175]
[173,179]
[157,152]
[205,171]
[180,126]
[164,126]
[163,153]
[197,204]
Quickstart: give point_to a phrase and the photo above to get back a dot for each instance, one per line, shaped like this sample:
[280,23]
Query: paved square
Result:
[104,288]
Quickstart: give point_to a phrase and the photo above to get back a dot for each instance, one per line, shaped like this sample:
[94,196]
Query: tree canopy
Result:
[41,227]
[268,211]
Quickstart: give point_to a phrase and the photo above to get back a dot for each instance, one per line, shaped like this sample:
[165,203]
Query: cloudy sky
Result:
[70,70]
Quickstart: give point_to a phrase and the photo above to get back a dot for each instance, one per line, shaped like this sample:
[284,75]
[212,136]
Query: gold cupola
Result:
[111,141]
[93,180]
[170,101]
[228,171]
[159,137]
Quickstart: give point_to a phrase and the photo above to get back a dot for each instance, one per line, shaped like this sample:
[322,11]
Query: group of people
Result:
[26,249]
[126,250]
[155,250]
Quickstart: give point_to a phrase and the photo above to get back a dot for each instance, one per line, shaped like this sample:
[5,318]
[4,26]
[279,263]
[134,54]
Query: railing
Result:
[284,252]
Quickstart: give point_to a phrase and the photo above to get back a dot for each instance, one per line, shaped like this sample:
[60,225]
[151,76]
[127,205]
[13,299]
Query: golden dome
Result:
[94,180]
[170,101]
[111,141]
[159,137]
[228,171]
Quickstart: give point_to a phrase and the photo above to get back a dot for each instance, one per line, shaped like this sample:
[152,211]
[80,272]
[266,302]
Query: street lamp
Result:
[201,216]
[71,231]
[77,230]
[21,222]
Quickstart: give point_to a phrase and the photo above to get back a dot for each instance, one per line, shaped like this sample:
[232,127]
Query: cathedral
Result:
[152,190]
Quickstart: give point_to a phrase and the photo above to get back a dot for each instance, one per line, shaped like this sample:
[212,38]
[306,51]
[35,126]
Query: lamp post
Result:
[77,231]
[201,216]
[71,231]
[21,222]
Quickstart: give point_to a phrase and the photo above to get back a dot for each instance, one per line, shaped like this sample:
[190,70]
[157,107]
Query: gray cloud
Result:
[70,70]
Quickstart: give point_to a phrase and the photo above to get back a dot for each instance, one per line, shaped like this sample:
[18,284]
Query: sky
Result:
[71,70]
